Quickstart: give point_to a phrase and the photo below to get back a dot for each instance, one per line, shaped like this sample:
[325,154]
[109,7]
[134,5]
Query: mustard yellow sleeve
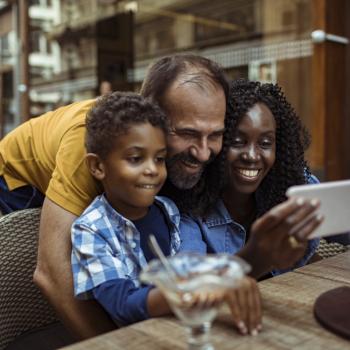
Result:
[72,187]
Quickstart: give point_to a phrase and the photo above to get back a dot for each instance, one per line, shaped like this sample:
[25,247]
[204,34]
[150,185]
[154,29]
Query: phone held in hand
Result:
[335,205]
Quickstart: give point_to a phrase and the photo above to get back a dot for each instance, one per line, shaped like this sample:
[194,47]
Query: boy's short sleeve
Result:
[93,260]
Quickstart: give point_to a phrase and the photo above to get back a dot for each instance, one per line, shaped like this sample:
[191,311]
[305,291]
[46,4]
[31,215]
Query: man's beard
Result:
[178,177]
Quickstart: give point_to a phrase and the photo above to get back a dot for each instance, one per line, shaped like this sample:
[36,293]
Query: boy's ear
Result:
[95,166]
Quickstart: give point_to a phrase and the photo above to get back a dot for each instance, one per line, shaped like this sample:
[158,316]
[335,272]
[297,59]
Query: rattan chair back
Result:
[22,306]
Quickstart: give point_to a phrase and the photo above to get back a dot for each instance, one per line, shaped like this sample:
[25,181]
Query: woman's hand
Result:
[279,238]
[245,306]
[243,301]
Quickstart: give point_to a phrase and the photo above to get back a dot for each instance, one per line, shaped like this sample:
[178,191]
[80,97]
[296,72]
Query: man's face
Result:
[197,124]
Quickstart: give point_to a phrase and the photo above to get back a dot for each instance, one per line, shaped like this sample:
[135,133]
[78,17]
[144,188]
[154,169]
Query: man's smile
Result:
[192,167]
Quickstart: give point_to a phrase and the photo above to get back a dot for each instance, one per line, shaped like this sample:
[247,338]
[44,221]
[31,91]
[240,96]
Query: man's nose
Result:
[201,151]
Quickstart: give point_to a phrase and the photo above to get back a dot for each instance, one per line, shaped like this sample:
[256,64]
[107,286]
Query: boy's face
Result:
[134,172]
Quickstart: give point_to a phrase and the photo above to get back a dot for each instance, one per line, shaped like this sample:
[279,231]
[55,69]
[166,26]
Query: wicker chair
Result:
[22,307]
[329,249]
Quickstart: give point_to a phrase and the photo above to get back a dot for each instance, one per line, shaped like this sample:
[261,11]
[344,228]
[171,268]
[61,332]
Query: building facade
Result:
[79,45]
[42,61]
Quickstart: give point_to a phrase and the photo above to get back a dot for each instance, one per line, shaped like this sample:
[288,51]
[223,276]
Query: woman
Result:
[242,204]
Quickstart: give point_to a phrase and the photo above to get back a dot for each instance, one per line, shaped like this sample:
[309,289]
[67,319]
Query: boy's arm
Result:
[53,275]
[127,304]
[157,304]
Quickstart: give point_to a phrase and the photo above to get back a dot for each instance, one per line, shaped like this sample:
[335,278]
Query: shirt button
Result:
[133,245]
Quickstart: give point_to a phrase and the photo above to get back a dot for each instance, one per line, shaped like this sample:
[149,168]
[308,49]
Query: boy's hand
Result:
[245,306]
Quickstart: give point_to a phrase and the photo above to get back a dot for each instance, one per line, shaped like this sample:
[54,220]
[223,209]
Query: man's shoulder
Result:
[78,105]
[73,114]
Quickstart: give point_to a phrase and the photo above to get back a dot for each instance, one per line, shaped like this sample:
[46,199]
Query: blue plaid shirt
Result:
[106,245]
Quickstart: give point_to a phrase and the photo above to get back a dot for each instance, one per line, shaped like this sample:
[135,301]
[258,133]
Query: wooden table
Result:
[288,317]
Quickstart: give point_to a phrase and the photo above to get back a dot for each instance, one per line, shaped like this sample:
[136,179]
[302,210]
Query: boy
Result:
[126,150]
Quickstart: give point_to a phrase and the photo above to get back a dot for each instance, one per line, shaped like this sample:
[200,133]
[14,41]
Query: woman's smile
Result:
[249,174]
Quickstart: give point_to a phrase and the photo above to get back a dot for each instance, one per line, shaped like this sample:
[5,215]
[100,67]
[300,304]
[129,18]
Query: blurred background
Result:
[54,52]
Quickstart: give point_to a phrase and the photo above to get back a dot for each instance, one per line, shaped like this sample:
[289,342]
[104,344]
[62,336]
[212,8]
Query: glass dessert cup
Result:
[195,289]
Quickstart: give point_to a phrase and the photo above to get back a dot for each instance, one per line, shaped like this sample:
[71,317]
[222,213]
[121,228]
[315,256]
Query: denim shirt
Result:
[106,245]
[219,233]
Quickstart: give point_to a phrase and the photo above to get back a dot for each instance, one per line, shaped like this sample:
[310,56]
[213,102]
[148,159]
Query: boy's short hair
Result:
[113,114]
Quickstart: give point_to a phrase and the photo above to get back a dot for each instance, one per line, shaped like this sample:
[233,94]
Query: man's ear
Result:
[95,166]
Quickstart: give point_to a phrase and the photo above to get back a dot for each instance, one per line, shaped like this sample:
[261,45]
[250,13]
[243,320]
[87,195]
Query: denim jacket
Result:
[219,233]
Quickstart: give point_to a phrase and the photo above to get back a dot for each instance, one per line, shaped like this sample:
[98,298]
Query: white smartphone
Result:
[335,205]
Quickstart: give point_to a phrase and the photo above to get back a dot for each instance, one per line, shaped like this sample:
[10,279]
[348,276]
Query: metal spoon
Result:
[157,251]
[186,297]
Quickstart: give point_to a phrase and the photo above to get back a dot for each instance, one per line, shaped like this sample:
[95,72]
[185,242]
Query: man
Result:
[46,156]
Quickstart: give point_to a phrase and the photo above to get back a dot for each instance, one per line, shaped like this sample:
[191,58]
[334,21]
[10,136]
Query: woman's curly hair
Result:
[292,139]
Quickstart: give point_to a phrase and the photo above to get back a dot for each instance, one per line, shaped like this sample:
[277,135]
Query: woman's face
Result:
[253,150]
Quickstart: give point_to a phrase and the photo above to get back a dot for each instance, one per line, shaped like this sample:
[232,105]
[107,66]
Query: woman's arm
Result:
[270,247]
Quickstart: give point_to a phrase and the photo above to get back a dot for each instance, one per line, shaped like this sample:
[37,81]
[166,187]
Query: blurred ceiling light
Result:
[131,6]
